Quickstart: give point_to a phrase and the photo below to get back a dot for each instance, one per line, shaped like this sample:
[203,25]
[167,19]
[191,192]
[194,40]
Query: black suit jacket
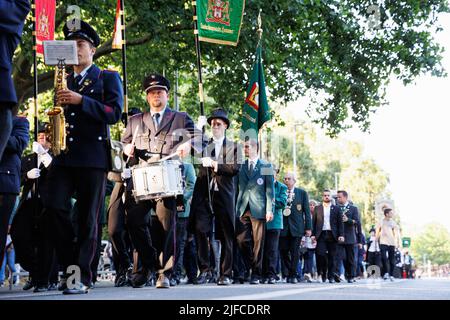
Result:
[300,218]
[337,227]
[30,162]
[228,167]
[352,228]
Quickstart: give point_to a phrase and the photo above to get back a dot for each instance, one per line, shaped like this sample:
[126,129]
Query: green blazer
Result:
[189,178]
[280,204]
[300,218]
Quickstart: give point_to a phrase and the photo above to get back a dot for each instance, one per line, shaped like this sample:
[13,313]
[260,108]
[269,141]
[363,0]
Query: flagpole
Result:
[259,31]
[124,64]
[201,97]
[35,190]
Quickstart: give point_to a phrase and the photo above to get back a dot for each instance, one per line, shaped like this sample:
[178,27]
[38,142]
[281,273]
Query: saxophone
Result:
[56,129]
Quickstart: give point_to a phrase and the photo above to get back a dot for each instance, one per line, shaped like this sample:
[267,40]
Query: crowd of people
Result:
[235,222]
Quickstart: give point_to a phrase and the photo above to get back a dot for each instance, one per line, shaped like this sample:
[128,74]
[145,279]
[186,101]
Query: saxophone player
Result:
[93,100]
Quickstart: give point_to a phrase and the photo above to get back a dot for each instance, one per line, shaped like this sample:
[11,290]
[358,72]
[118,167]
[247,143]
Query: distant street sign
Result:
[406,242]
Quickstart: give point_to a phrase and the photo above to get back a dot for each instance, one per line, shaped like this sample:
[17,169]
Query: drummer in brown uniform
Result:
[158,133]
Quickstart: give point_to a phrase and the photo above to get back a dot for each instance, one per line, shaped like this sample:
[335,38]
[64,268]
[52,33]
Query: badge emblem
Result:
[299,207]
[260,181]
[286,212]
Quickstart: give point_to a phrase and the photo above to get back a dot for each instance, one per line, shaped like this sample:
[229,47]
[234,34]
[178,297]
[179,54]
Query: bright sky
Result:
[409,140]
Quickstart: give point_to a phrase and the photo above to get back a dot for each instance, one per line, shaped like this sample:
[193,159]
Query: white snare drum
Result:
[157,180]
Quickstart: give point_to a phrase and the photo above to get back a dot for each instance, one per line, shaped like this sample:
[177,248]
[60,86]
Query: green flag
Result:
[256,109]
[219,21]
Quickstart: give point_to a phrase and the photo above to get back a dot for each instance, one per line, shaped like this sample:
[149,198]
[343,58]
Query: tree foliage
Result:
[434,242]
[327,50]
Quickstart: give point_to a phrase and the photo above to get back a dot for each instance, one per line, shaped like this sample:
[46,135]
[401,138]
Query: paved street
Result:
[420,289]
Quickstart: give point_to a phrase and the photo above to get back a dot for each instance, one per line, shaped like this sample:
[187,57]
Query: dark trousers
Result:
[271,252]
[309,261]
[239,266]
[224,232]
[31,235]
[374,259]
[159,239]
[7,202]
[88,185]
[326,254]
[388,259]
[117,230]
[181,234]
[349,262]
[250,239]
[5,127]
[190,258]
[290,254]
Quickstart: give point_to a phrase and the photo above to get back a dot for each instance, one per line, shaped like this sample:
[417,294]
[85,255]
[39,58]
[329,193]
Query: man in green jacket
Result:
[273,229]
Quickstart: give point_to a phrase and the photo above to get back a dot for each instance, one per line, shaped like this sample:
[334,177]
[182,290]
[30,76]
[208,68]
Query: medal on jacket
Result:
[287,209]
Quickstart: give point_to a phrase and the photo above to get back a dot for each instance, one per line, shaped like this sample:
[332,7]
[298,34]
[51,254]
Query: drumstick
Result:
[168,157]
[133,141]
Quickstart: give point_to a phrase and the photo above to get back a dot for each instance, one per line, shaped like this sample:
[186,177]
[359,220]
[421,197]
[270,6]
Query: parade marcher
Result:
[30,228]
[12,18]
[296,224]
[373,254]
[10,174]
[221,163]
[388,234]
[183,219]
[352,233]
[273,229]
[328,230]
[93,101]
[408,261]
[254,207]
[161,133]
[311,244]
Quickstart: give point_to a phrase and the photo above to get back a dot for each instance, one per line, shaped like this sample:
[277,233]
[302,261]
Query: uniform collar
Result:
[83,72]
[161,113]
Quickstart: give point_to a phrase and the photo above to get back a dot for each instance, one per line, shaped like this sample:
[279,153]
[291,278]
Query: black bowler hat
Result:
[219,113]
[85,32]
[42,126]
[155,81]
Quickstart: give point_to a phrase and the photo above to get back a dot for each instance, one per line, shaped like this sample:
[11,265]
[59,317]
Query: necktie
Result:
[76,81]
[156,120]
[252,166]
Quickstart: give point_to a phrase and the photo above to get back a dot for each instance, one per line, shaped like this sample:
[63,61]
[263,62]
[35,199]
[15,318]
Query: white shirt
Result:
[326,217]
[374,245]
[82,73]
[218,143]
[254,162]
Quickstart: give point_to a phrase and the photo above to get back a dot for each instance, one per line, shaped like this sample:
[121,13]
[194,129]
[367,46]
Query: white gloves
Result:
[207,162]
[37,148]
[34,173]
[202,121]
[129,150]
[126,173]
[46,159]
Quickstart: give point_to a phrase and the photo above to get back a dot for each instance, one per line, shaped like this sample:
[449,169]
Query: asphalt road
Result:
[419,289]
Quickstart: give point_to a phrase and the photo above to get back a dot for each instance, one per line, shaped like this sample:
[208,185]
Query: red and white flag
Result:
[45,23]
[117,35]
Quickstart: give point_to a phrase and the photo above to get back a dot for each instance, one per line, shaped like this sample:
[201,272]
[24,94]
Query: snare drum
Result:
[157,180]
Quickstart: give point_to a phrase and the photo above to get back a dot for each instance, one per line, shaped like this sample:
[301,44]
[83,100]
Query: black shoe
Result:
[271,281]
[139,279]
[238,281]
[212,279]
[331,280]
[121,280]
[202,278]
[263,280]
[79,288]
[254,281]
[224,281]
[337,278]
[91,285]
[173,282]
[162,282]
[350,280]
[53,287]
[41,288]
[28,285]
[62,285]
[190,281]
[293,280]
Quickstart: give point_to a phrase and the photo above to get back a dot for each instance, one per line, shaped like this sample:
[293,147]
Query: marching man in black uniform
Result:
[160,132]
[93,100]
[222,159]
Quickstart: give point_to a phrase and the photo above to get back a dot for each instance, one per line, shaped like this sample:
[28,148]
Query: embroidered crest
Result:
[260,181]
